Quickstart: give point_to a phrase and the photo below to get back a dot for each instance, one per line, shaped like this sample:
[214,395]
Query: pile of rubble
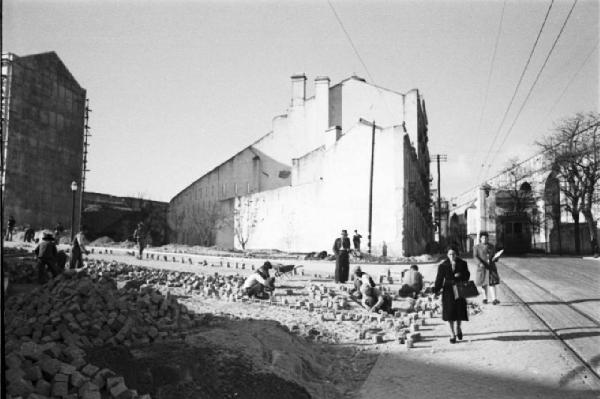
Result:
[47,330]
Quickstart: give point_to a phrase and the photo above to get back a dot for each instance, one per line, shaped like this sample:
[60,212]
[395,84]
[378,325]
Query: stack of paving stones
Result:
[48,330]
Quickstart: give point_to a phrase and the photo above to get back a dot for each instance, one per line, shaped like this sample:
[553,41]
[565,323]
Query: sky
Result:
[177,87]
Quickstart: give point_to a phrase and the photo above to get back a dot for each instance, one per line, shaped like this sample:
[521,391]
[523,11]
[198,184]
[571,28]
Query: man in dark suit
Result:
[341,248]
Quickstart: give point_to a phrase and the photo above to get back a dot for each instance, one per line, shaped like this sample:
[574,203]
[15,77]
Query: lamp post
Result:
[74,191]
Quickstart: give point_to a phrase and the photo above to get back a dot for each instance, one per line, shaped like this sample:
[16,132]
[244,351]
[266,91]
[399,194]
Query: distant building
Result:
[521,215]
[42,139]
[295,188]
[117,217]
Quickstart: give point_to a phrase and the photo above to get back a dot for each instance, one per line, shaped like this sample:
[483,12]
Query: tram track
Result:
[573,349]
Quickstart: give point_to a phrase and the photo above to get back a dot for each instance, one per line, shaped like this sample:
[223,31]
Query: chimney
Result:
[321,104]
[298,90]
[332,135]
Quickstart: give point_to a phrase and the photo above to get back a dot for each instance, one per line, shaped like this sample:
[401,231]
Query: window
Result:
[235,188]
[248,187]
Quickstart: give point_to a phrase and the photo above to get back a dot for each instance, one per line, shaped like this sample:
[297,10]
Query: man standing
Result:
[341,249]
[356,241]
[139,235]
[10,228]
[46,254]
[487,273]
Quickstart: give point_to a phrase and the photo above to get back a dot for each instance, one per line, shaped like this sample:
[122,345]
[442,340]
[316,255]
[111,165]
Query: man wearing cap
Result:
[258,282]
[361,279]
[46,253]
[341,248]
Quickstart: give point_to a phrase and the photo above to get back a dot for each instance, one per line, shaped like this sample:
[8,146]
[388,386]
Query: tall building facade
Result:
[295,188]
[43,113]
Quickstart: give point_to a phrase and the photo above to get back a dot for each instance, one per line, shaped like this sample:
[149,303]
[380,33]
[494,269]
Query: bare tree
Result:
[518,187]
[245,215]
[572,150]
[205,220]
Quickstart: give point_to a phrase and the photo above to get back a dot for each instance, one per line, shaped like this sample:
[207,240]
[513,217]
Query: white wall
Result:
[309,216]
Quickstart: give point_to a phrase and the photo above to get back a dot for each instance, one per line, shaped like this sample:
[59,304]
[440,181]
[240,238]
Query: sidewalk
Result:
[506,353]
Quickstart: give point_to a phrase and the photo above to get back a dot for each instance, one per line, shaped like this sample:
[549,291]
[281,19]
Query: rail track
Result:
[540,316]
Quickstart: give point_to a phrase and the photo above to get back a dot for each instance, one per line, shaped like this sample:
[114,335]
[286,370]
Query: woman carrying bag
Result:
[451,271]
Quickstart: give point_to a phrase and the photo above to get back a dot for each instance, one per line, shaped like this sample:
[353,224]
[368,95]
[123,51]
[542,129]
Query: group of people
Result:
[50,259]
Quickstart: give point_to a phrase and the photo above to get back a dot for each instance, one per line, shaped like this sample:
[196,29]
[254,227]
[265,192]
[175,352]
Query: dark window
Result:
[518,228]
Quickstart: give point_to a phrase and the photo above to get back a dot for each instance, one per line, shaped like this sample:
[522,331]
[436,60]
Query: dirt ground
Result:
[257,350]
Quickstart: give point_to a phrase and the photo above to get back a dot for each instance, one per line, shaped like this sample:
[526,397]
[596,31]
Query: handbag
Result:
[465,289]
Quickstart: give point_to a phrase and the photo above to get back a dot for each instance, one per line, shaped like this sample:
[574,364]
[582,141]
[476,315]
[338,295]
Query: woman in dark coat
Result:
[451,270]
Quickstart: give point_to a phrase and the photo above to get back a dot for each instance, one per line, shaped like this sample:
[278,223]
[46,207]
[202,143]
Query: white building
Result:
[325,142]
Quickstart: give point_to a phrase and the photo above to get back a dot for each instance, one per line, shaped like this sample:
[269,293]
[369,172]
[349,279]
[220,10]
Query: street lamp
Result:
[74,191]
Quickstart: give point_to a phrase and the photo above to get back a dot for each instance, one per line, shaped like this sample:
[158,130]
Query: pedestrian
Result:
[412,282]
[139,235]
[360,279]
[487,273]
[10,228]
[46,253]
[341,249]
[384,250]
[29,234]
[374,300]
[259,282]
[58,231]
[454,308]
[356,241]
[78,249]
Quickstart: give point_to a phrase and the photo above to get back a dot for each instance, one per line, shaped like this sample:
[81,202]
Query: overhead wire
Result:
[364,65]
[509,131]
[489,79]
[518,84]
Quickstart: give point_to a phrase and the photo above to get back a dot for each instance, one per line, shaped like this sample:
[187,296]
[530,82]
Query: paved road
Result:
[565,294]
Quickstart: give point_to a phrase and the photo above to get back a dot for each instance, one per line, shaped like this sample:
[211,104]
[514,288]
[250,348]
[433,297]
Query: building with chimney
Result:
[43,128]
[296,187]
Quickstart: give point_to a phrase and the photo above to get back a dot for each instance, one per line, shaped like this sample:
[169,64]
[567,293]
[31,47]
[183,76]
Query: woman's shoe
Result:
[459,334]
[484,301]
[453,340]
[495,302]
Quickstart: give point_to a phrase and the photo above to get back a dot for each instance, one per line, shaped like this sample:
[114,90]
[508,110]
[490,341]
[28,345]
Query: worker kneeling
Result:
[259,283]
[374,300]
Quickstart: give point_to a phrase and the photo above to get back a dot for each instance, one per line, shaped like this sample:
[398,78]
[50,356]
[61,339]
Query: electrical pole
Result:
[371,185]
[440,158]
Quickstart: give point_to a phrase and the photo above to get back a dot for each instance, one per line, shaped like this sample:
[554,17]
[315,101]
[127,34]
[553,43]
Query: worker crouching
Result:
[259,283]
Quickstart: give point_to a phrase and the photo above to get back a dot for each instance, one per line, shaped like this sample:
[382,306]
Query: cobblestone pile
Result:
[48,329]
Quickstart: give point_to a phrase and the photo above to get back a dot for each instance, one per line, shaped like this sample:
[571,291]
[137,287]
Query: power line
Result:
[350,40]
[589,56]
[489,79]
[518,84]
[535,81]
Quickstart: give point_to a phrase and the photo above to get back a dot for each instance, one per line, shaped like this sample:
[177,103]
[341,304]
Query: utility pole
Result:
[440,158]
[371,185]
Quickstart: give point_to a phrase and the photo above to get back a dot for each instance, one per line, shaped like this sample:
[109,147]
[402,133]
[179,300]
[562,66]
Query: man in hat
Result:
[341,249]
[46,253]
[259,282]
[361,278]
[139,235]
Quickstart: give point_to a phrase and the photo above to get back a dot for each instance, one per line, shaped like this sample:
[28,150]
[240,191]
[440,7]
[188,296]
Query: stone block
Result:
[86,387]
[114,380]
[60,389]
[78,379]
[33,373]
[118,390]
[89,370]
[90,395]
[43,387]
